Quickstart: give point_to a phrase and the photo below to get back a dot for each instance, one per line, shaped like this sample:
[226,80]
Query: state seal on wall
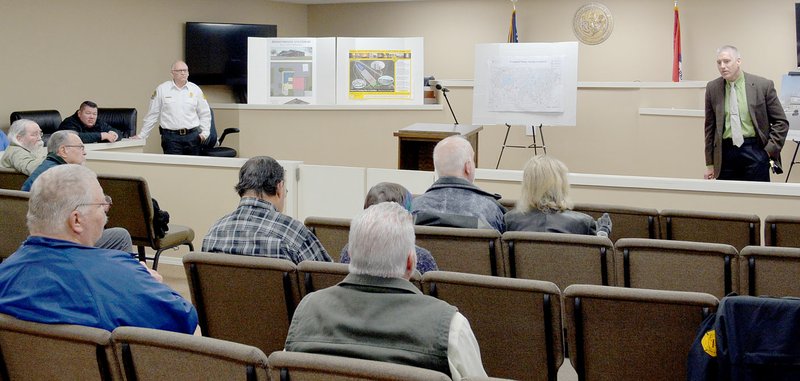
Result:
[593,23]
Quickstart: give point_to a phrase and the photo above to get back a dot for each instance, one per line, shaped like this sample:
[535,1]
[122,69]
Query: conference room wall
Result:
[639,48]
[610,137]
[59,53]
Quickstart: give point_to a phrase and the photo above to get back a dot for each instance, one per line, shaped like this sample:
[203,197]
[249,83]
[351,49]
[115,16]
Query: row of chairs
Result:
[35,351]
[566,259]
[735,229]
[518,322]
[132,211]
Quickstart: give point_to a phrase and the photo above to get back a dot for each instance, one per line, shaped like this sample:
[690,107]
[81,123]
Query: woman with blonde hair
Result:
[544,205]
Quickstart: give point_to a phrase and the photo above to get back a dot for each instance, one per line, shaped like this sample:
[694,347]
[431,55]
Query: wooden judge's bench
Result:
[416,142]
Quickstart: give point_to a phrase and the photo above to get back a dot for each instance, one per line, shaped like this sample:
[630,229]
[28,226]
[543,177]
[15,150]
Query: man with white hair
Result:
[65,147]
[57,277]
[453,200]
[26,150]
[375,313]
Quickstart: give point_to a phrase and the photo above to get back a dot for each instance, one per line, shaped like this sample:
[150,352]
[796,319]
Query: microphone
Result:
[444,91]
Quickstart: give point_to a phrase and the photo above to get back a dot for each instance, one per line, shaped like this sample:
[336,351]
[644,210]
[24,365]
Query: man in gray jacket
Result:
[377,314]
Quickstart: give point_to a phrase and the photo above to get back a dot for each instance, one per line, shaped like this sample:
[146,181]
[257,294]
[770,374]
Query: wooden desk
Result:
[416,142]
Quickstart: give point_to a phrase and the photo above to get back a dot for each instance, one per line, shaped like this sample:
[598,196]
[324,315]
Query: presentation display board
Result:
[790,100]
[291,70]
[386,71]
[526,84]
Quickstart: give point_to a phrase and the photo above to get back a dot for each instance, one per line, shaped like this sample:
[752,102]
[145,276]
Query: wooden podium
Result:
[416,142]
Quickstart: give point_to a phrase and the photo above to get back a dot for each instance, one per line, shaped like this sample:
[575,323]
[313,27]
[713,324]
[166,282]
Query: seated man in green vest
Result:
[377,314]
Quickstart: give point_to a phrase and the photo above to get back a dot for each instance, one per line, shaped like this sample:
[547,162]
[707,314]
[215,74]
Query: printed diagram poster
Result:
[379,74]
[290,68]
[512,78]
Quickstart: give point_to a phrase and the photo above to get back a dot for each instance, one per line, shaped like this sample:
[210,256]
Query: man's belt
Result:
[182,131]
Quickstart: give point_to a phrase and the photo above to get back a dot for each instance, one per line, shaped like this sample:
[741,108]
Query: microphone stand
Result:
[444,92]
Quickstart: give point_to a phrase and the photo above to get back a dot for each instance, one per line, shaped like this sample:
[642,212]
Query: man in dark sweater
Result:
[89,129]
[375,313]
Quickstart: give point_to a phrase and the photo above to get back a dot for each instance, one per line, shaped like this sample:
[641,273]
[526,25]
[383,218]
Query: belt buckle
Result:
[182,132]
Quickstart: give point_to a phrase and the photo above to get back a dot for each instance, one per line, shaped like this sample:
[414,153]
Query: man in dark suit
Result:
[745,125]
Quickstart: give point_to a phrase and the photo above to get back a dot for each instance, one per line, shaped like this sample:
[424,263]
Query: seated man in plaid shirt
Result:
[257,227]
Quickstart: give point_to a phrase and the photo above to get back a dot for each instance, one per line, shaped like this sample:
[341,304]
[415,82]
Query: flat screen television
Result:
[216,53]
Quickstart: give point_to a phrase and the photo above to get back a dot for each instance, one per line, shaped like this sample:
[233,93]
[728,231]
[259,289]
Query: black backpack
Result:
[160,220]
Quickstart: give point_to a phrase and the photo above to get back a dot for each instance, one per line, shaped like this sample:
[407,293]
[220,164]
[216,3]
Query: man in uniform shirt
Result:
[181,110]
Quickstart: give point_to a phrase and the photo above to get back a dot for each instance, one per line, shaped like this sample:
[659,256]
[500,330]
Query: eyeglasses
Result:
[181,71]
[81,146]
[106,205]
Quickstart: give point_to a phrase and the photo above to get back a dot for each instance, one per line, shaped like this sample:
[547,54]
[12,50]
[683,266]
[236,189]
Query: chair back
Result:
[735,229]
[474,251]
[526,343]
[297,366]
[677,265]
[769,271]
[331,232]
[629,222]
[11,179]
[783,231]
[248,300]
[563,259]
[316,275]
[14,209]
[133,207]
[123,119]
[151,354]
[48,120]
[616,333]
[36,351]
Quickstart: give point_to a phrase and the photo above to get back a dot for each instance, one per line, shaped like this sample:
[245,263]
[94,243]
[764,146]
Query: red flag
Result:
[677,70]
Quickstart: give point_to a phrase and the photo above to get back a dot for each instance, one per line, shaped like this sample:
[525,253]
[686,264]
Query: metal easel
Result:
[535,145]
[794,161]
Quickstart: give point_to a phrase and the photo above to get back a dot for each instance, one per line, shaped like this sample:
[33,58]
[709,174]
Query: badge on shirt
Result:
[191,95]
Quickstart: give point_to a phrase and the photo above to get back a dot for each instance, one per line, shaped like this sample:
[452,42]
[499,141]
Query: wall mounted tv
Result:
[216,53]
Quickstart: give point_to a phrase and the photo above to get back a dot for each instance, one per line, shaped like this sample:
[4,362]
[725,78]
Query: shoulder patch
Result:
[154,95]
[709,342]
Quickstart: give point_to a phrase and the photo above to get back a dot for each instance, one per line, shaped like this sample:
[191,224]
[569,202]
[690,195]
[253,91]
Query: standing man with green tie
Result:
[745,125]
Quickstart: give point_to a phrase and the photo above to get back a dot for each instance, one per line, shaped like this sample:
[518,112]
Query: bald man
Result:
[453,200]
[181,110]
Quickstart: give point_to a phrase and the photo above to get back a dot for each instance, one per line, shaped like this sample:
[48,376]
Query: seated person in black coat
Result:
[544,204]
[89,129]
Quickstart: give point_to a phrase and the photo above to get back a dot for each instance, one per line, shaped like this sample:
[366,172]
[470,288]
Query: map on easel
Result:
[526,84]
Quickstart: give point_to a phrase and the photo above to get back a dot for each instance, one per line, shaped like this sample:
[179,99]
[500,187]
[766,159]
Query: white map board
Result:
[790,100]
[526,84]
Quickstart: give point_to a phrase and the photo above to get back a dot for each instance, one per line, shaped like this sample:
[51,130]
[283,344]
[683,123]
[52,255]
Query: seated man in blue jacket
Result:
[57,277]
[89,129]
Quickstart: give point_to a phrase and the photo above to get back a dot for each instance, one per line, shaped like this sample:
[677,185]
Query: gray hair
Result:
[730,49]
[58,139]
[19,127]
[388,192]
[260,174]
[450,155]
[381,239]
[55,194]
[545,185]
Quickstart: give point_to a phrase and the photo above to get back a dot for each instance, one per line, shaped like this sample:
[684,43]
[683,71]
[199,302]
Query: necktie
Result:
[736,122]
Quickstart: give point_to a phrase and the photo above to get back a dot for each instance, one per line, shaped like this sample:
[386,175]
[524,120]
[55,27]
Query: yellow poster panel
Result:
[384,74]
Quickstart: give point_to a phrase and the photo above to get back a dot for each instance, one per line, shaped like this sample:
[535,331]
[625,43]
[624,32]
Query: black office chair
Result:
[213,147]
[123,119]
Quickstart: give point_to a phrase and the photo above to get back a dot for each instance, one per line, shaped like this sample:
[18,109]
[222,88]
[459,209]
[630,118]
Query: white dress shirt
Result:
[463,353]
[175,107]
